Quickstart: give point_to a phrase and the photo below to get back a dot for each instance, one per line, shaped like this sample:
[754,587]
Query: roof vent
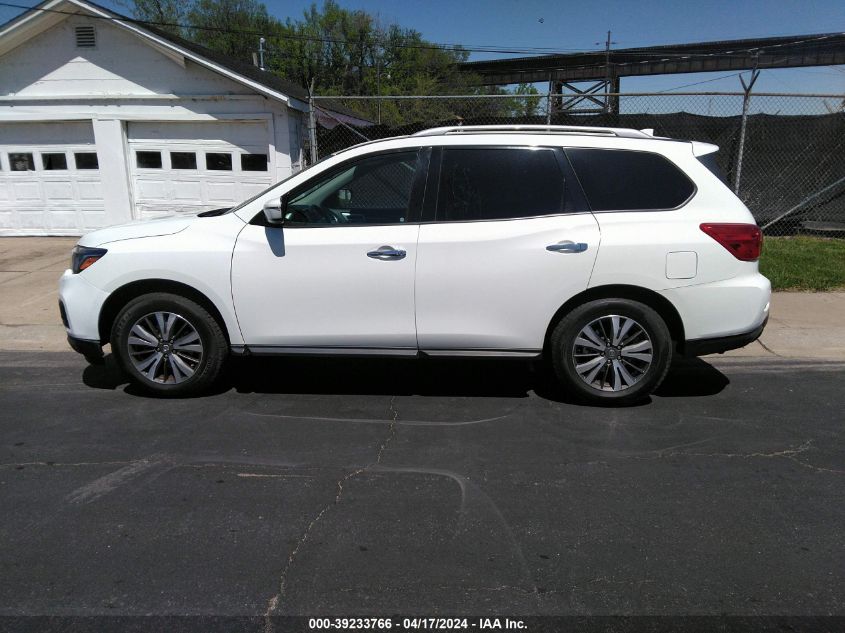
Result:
[86,37]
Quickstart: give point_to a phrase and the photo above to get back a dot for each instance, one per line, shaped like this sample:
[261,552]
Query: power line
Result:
[298,37]
[431,46]
[697,83]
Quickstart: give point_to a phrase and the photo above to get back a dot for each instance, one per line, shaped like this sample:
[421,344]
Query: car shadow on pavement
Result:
[426,377]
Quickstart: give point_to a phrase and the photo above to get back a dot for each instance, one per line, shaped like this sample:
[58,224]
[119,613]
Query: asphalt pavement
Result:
[317,487]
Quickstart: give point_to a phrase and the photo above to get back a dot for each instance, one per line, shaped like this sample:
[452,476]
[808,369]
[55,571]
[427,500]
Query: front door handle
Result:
[387,252]
[567,246]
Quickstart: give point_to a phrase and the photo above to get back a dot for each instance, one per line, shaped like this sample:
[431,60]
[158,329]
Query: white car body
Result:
[486,287]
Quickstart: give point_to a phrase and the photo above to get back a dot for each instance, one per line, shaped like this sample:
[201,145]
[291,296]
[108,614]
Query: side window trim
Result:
[572,184]
[432,187]
[417,187]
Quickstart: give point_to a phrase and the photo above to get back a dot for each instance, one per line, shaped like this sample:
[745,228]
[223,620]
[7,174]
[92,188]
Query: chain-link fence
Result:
[785,156]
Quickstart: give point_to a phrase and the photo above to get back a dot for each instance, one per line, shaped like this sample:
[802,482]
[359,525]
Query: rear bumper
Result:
[720,344]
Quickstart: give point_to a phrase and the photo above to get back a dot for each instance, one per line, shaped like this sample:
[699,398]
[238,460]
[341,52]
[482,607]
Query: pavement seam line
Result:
[273,603]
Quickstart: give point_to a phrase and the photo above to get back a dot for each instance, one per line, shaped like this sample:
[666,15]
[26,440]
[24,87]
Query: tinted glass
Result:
[218,162]
[499,183]
[709,161]
[148,160]
[54,161]
[86,160]
[624,180]
[253,162]
[183,160]
[21,161]
[375,190]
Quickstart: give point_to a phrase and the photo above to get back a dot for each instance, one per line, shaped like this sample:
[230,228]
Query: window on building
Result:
[54,161]
[86,160]
[253,162]
[618,180]
[218,161]
[183,160]
[148,160]
[499,184]
[21,161]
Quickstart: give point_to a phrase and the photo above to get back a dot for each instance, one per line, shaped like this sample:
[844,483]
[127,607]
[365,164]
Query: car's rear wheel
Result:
[611,351]
[169,345]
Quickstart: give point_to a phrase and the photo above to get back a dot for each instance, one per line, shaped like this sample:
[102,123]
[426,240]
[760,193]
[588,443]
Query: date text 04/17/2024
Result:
[416,624]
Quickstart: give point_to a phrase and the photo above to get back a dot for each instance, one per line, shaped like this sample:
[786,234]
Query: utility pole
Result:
[609,77]
[378,86]
[312,124]
[261,41]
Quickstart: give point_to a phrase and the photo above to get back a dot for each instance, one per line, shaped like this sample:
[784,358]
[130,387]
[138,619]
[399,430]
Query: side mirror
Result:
[274,210]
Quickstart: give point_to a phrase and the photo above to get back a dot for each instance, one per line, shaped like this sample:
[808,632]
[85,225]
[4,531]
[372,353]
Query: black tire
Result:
[207,364]
[599,314]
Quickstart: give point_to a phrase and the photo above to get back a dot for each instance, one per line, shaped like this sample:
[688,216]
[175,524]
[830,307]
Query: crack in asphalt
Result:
[65,464]
[787,453]
[769,349]
[273,603]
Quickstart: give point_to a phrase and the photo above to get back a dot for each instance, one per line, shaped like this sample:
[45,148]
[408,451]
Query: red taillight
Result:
[743,241]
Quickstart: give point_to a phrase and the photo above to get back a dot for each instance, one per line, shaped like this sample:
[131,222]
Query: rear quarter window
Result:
[709,161]
[624,180]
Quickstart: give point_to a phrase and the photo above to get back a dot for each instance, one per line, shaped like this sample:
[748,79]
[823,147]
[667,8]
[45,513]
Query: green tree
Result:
[230,27]
[338,51]
[164,14]
[528,105]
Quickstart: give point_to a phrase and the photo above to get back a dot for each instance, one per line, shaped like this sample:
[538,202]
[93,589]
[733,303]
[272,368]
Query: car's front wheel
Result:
[611,351]
[169,345]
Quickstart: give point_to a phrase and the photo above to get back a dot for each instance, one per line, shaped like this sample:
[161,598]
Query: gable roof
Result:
[50,12]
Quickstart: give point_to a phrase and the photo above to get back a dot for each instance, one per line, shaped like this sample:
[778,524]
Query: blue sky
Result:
[580,25]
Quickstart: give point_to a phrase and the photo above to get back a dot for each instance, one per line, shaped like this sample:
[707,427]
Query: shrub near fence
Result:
[792,175]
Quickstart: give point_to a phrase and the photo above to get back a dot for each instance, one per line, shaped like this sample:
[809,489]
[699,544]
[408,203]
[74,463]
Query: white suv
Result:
[604,250]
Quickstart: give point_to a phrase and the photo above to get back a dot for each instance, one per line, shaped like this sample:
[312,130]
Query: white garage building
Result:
[103,121]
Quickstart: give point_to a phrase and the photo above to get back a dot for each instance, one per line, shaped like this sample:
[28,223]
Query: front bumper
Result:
[91,350]
[721,344]
[80,304]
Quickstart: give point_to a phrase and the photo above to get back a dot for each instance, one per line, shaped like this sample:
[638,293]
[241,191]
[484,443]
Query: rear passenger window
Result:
[618,180]
[499,183]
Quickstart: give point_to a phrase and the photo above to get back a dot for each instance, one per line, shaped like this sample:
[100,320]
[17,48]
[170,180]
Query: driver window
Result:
[375,190]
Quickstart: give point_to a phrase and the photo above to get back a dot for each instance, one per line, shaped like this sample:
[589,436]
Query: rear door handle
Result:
[567,246]
[387,252]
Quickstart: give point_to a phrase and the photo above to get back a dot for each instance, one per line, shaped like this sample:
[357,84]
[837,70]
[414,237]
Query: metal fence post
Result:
[312,125]
[746,101]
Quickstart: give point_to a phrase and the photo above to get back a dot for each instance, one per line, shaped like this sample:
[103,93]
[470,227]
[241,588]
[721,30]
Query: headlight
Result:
[82,257]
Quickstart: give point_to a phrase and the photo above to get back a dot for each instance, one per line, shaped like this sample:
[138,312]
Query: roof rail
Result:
[535,129]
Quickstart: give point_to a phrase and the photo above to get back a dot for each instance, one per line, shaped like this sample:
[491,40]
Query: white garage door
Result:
[191,167]
[49,179]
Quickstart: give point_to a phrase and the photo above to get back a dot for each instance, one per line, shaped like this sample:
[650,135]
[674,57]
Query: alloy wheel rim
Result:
[165,347]
[612,353]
